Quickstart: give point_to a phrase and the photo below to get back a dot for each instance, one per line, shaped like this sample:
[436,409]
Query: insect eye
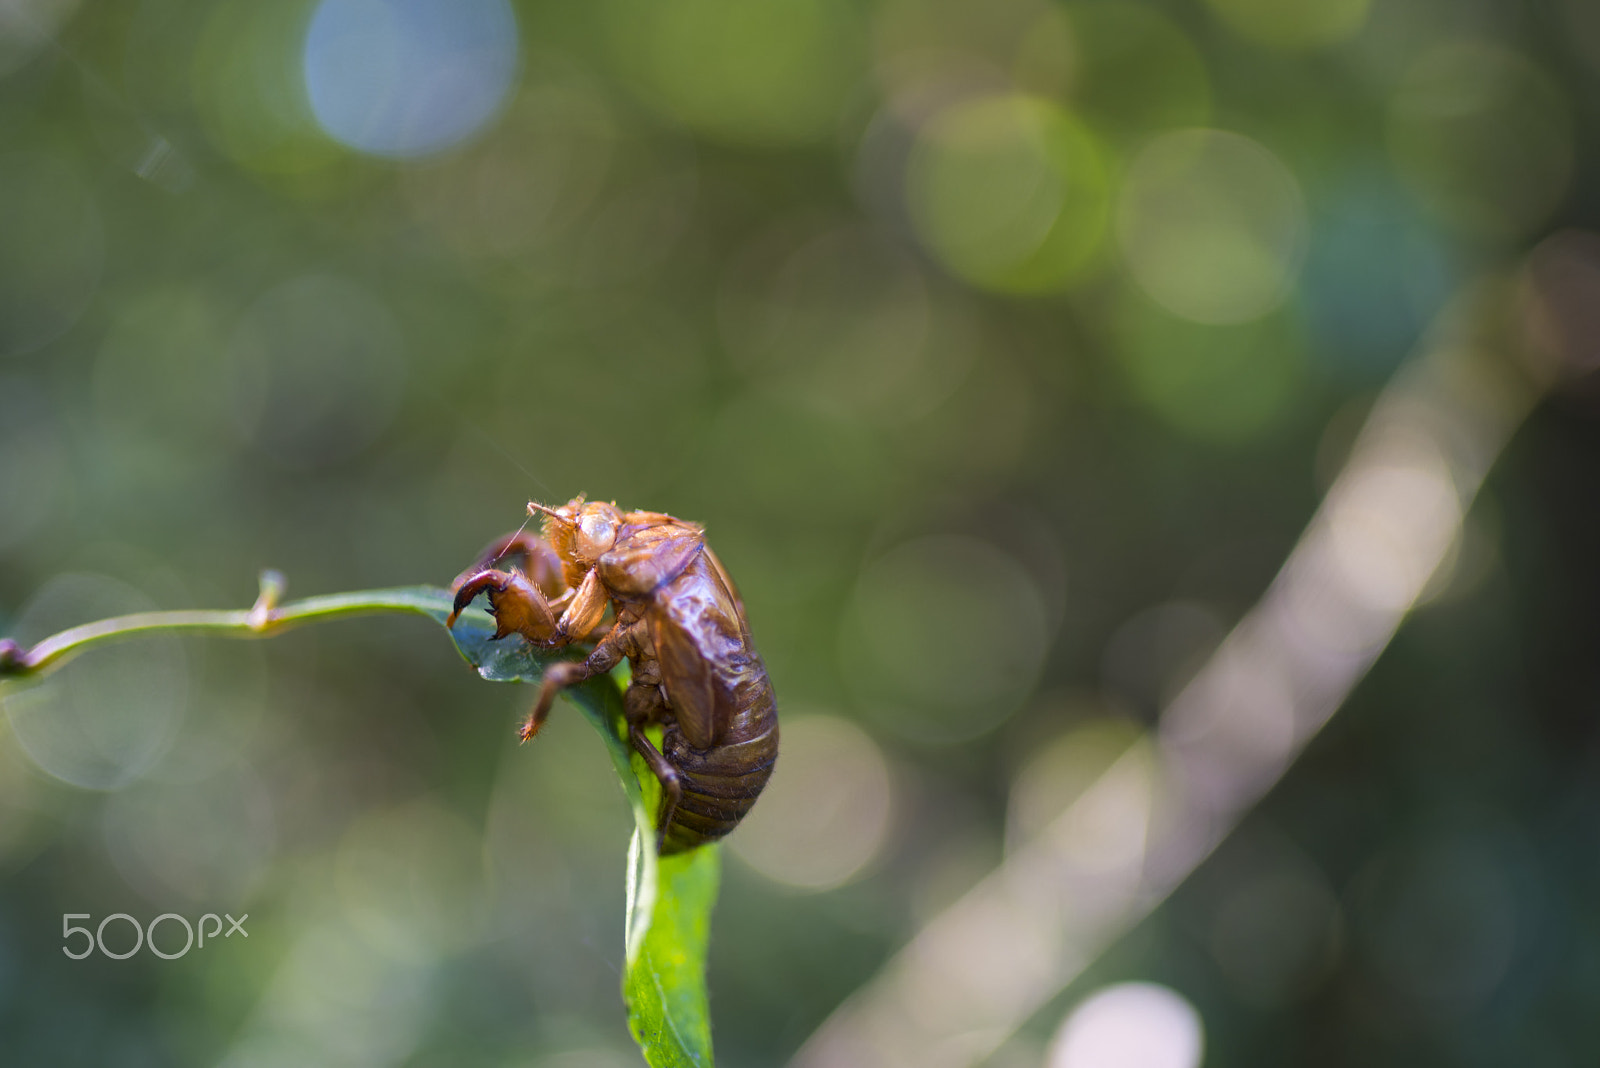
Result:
[596,534]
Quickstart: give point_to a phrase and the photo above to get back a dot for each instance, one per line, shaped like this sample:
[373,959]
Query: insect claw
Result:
[516,604]
[469,589]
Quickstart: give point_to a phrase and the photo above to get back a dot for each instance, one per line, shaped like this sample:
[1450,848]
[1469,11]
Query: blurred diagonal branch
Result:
[980,969]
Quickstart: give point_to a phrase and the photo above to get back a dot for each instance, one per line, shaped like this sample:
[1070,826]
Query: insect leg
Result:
[517,604]
[530,554]
[588,605]
[666,774]
[617,643]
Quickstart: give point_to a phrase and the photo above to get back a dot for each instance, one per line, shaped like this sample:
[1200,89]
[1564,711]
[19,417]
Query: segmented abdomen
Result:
[719,785]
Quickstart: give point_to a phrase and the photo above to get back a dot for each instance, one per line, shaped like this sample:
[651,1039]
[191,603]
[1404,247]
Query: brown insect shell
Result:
[660,567]
[720,719]
[722,737]
[647,558]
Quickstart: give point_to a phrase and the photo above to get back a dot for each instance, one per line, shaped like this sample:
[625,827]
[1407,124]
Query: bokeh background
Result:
[1005,348]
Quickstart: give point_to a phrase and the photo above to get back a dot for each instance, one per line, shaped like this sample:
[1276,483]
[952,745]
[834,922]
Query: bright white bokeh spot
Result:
[409,77]
[1130,1025]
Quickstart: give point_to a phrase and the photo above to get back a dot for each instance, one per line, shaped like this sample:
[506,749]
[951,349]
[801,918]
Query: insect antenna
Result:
[505,454]
[535,508]
[527,564]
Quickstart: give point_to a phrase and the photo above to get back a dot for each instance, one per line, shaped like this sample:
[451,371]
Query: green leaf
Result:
[664,983]
[670,898]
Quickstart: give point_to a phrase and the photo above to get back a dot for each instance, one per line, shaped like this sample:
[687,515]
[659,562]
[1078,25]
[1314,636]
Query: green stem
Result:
[266,617]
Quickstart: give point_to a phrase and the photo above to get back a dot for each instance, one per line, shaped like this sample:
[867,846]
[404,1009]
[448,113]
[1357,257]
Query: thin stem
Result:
[266,617]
